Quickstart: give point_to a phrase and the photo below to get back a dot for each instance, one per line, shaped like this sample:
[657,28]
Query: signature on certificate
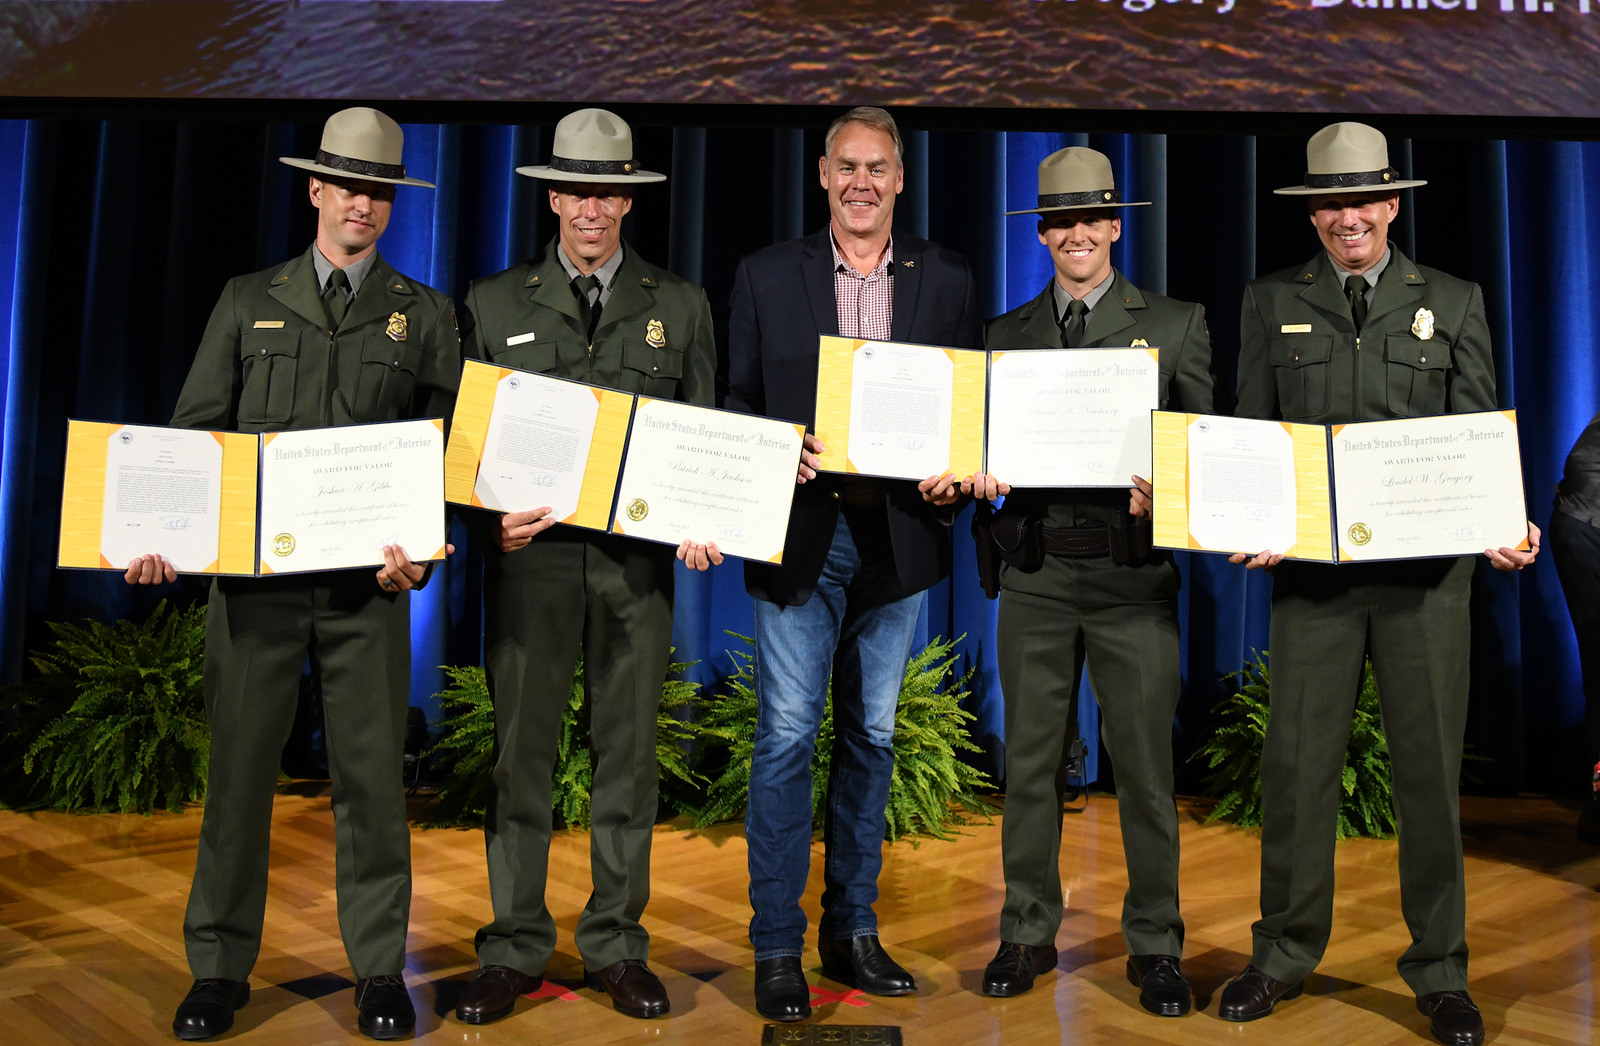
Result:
[175,523]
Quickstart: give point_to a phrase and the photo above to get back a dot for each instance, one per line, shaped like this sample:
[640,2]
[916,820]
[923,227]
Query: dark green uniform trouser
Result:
[258,635]
[1413,616]
[1125,620]
[611,597]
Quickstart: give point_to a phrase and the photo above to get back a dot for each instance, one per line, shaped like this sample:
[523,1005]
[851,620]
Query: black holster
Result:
[1131,539]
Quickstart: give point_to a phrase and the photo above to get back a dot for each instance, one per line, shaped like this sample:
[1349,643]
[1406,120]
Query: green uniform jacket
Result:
[1300,359]
[1125,314]
[268,361]
[654,337]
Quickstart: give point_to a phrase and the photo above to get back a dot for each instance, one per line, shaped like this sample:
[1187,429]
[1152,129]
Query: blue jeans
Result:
[865,639]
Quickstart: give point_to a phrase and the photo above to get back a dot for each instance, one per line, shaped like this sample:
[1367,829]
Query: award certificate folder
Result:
[654,469]
[900,411]
[710,475]
[1032,417]
[240,503]
[1408,488]
[521,440]
[187,495]
[332,498]
[1071,417]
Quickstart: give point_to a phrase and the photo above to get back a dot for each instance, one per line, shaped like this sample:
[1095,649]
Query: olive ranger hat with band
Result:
[592,145]
[1077,179]
[1348,157]
[362,144]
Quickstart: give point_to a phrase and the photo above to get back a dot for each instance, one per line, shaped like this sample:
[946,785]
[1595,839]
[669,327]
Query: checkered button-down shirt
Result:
[865,302]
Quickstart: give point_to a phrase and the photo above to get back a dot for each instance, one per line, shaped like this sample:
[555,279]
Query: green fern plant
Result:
[1232,755]
[116,716]
[932,790]
[465,752]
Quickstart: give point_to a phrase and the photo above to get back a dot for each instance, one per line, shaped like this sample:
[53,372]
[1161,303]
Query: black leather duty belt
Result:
[1077,542]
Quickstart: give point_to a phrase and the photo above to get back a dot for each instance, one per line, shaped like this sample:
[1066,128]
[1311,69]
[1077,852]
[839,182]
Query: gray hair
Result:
[868,116]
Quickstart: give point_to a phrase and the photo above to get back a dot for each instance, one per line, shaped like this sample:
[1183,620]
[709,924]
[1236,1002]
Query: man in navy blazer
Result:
[858,556]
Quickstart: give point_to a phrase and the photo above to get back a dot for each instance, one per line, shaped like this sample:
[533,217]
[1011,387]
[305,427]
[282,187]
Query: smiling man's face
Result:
[351,216]
[863,176]
[1354,227]
[1080,247]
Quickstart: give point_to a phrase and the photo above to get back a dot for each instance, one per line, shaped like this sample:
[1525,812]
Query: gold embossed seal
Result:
[1359,534]
[637,509]
[283,544]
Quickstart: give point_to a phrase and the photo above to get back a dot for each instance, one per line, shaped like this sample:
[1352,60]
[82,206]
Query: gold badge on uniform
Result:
[1359,534]
[283,544]
[637,509]
[1422,325]
[655,335]
[1138,343]
[397,327]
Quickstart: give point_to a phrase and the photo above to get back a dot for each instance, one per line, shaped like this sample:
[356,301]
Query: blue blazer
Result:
[782,301]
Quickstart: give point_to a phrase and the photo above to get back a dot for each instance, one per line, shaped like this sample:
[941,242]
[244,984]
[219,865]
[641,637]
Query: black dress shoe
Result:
[492,994]
[634,990]
[1014,966]
[781,990]
[1253,994]
[383,1007]
[862,963]
[1162,989]
[1452,1017]
[208,1008]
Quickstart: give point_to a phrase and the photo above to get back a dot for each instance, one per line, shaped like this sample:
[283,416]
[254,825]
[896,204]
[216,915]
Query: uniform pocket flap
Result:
[260,343]
[656,363]
[1414,352]
[1299,350]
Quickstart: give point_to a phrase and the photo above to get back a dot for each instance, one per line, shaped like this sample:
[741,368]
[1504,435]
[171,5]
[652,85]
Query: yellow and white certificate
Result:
[333,498]
[708,475]
[899,411]
[1408,488]
[1071,417]
[521,441]
[187,495]
[1442,486]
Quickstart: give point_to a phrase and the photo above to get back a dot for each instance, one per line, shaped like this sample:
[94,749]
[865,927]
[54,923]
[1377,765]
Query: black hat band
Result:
[1352,180]
[365,168]
[569,166]
[1095,198]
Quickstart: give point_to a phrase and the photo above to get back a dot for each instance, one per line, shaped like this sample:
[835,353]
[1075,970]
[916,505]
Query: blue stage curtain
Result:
[120,234]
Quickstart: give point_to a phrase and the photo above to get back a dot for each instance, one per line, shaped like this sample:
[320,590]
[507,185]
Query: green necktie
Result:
[588,308]
[333,297]
[1072,328]
[1355,288]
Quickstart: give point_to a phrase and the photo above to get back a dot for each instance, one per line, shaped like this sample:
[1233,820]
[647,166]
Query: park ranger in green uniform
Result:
[1098,591]
[1363,333]
[590,309]
[333,337]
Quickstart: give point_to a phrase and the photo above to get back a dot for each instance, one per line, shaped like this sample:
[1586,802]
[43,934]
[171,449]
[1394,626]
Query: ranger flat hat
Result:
[592,145]
[360,143]
[1348,157]
[1077,179]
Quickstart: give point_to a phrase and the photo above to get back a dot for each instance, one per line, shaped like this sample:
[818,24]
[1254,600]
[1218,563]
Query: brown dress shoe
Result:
[1452,1017]
[493,993]
[634,990]
[1014,966]
[1253,994]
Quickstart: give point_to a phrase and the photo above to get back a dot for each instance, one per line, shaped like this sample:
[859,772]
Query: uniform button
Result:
[836,495]
[655,370]
[263,352]
[1297,357]
[1422,359]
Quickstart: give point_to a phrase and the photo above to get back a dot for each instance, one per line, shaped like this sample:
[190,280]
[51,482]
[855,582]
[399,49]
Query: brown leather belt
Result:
[1078,542]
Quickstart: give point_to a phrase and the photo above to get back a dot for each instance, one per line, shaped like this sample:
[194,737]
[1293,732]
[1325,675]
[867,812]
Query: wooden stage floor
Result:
[91,952]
